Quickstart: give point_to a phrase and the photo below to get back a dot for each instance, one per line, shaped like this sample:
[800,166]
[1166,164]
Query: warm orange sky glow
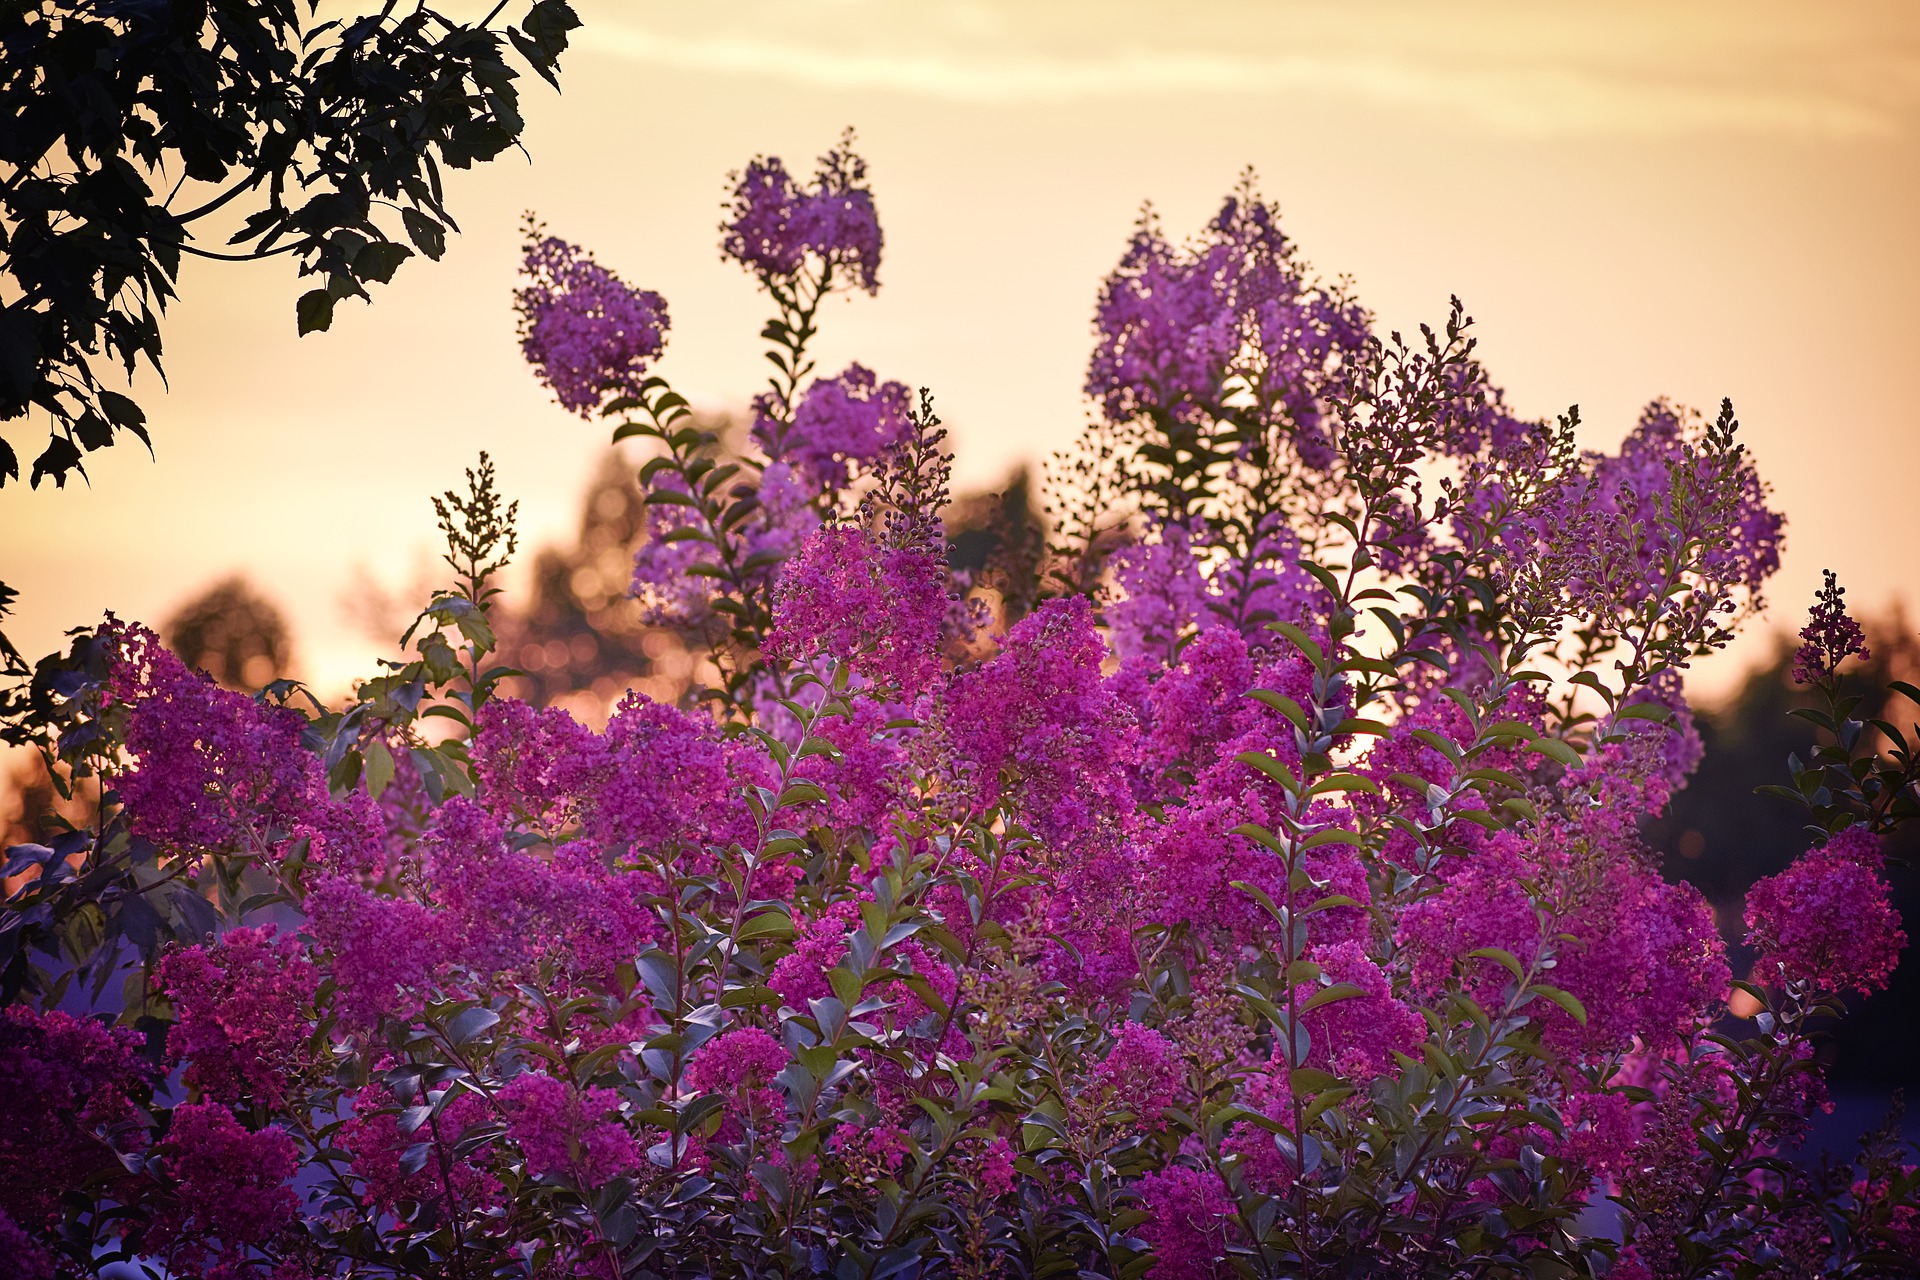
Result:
[1633,199]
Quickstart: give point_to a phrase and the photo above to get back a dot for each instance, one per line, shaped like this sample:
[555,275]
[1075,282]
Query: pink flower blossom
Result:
[243,1014]
[1163,594]
[1828,919]
[71,1088]
[774,225]
[840,424]
[1356,1038]
[996,1168]
[230,1184]
[1040,728]
[1178,326]
[372,1136]
[1189,1217]
[25,1257]
[1142,1074]
[741,1064]
[214,771]
[560,1130]
[878,610]
[665,782]
[382,951]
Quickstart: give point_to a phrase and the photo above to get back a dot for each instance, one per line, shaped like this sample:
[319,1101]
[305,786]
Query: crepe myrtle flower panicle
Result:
[232,1183]
[1830,637]
[72,1088]
[1183,330]
[587,333]
[1829,918]
[213,770]
[877,610]
[1188,1214]
[1142,1075]
[564,1131]
[774,224]
[841,423]
[28,1260]
[242,1013]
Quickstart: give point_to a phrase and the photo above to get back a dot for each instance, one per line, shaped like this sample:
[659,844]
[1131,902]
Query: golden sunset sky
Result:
[1633,199]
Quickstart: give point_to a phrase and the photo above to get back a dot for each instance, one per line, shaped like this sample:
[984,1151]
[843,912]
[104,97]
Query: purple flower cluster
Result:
[578,1134]
[587,333]
[378,1147]
[243,1014]
[1357,1037]
[1043,732]
[665,581]
[1830,637]
[1188,1215]
[1142,1074]
[72,1090]
[1184,333]
[214,771]
[840,424]
[1664,485]
[879,610]
[231,1186]
[774,224]
[1271,891]
[1829,918]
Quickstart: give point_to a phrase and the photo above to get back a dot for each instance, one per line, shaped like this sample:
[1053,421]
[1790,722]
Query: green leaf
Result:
[122,411]
[1306,1080]
[314,311]
[1331,995]
[1272,766]
[1301,641]
[1508,961]
[429,236]
[379,767]
[470,1023]
[768,924]
[1322,1100]
[1554,749]
[1284,705]
[1565,999]
[1345,782]
[379,259]
[799,793]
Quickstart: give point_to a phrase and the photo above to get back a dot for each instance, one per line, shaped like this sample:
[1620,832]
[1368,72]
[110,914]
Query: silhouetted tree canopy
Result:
[123,123]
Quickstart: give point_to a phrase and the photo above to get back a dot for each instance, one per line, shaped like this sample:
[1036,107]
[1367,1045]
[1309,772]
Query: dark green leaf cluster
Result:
[123,125]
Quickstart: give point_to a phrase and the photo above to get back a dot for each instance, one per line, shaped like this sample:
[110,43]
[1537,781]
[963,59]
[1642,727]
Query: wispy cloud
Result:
[1522,92]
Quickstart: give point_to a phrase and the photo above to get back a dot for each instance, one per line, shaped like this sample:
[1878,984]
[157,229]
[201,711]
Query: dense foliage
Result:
[126,122]
[1264,894]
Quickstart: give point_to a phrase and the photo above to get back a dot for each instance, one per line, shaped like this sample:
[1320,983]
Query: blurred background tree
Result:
[233,633]
[1000,541]
[577,631]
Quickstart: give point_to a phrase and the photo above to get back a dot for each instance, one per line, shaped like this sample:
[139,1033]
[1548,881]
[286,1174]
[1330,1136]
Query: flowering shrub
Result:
[1268,900]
